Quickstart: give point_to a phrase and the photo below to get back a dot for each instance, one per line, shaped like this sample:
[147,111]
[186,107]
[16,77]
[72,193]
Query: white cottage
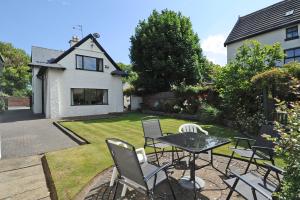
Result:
[83,80]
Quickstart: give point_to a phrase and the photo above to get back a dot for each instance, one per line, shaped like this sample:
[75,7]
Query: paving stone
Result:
[25,134]
[23,178]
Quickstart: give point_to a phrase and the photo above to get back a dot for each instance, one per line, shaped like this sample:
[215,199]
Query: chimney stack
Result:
[74,40]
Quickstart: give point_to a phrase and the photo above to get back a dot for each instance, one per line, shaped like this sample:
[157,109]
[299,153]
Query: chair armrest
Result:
[142,152]
[242,138]
[163,167]
[274,168]
[263,148]
[255,187]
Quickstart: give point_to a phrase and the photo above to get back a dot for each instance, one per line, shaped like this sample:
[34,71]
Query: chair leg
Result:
[232,189]
[124,190]
[115,193]
[169,183]
[254,194]
[250,161]
[113,177]
[157,159]
[229,163]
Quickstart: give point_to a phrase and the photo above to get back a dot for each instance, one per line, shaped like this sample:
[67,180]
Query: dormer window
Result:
[89,63]
[292,33]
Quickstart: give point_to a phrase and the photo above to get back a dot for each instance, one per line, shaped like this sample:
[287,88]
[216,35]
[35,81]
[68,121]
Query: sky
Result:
[49,23]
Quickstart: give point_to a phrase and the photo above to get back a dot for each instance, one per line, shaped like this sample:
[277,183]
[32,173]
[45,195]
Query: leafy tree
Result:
[15,78]
[234,82]
[165,51]
[132,76]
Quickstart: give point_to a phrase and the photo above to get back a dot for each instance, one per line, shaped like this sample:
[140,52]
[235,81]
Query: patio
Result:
[214,187]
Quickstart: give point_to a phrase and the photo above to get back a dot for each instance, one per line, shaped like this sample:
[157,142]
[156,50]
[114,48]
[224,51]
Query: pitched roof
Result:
[43,55]
[47,65]
[90,36]
[265,20]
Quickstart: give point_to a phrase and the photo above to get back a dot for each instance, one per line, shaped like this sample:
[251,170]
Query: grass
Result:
[73,168]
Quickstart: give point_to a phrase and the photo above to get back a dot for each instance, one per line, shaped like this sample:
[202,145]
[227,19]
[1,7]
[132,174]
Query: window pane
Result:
[100,64]
[79,62]
[78,97]
[290,53]
[89,96]
[297,59]
[289,35]
[297,52]
[105,96]
[90,63]
[289,60]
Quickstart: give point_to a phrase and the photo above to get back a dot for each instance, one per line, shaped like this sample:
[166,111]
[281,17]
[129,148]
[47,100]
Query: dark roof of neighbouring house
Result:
[267,19]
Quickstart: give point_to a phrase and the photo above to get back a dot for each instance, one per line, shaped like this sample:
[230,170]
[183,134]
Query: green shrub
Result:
[208,113]
[250,123]
[2,104]
[288,148]
[293,68]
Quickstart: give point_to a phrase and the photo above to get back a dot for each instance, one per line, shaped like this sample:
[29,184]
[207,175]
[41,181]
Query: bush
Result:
[2,104]
[288,148]
[293,68]
[208,113]
[250,123]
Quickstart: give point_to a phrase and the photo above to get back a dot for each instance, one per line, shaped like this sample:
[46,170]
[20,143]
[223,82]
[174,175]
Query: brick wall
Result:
[153,100]
[18,101]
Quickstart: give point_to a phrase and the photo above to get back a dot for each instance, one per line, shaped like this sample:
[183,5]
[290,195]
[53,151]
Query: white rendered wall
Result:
[266,38]
[37,91]
[136,102]
[61,82]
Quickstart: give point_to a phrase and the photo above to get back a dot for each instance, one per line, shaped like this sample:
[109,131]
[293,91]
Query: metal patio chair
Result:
[254,187]
[144,178]
[254,150]
[152,130]
[252,153]
[141,155]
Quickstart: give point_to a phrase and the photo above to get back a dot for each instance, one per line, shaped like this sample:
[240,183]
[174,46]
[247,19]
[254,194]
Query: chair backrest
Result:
[126,161]
[151,127]
[194,128]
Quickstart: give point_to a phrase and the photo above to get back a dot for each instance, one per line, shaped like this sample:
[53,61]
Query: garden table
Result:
[194,143]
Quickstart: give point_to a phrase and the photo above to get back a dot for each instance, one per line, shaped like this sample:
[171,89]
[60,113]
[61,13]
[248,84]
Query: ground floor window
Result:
[292,55]
[84,96]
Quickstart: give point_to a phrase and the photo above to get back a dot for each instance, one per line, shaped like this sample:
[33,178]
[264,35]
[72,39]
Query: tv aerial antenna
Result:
[79,28]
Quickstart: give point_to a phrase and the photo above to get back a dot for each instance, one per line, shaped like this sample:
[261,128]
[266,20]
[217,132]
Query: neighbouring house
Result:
[83,80]
[277,23]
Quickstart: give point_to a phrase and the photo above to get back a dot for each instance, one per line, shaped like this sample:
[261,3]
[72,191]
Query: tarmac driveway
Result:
[24,134]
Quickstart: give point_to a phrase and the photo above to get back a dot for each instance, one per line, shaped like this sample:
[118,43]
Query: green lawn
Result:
[73,168]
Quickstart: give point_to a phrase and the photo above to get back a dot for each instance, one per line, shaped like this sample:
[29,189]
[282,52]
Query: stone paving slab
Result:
[23,178]
[214,188]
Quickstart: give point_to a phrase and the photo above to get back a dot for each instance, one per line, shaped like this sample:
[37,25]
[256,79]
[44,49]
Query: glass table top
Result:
[194,142]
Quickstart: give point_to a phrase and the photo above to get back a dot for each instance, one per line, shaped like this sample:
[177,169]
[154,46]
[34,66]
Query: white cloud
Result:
[213,48]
